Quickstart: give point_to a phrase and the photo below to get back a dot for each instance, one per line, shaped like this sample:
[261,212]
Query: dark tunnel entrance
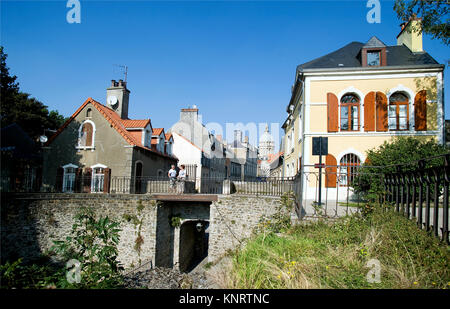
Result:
[193,249]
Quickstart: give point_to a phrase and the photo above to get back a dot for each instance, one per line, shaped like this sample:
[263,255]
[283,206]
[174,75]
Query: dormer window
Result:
[374,58]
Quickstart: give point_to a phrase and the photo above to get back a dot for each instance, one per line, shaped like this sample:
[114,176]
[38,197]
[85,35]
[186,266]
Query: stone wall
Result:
[234,218]
[30,222]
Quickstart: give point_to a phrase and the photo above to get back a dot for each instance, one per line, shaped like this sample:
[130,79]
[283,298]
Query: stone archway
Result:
[193,244]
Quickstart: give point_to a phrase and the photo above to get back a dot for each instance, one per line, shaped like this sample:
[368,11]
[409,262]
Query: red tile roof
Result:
[168,136]
[157,131]
[116,122]
[135,123]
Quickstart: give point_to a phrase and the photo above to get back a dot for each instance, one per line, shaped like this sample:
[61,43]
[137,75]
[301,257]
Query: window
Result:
[398,112]
[348,168]
[69,177]
[374,58]
[86,134]
[98,178]
[89,113]
[148,139]
[349,112]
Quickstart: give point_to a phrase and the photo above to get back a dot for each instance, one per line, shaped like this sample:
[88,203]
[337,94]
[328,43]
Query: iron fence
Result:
[419,190]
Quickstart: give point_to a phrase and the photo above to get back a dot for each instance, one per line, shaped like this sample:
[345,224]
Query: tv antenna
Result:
[124,70]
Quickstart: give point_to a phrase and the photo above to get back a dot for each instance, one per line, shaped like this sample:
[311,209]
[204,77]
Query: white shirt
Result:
[172,173]
[182,174]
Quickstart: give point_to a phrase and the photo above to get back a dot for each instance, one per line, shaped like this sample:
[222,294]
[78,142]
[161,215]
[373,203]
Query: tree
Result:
[17,107]
[404,151]
[434,13]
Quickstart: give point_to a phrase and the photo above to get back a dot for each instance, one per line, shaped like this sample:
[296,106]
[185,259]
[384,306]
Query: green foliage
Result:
[281,220]
[20,276]
[18,107]
[434,14]
[400,150]
[335,255]
[175,220]
[93,242]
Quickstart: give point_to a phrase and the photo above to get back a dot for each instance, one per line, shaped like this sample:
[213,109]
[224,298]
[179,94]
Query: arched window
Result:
[86,134]
[89,113]
[348,168]
[398,112]
[349,112]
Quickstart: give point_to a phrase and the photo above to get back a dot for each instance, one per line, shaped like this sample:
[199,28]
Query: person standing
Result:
[181,179]
[172,177]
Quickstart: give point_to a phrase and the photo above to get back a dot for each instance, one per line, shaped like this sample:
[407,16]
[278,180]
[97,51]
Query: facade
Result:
[98,143]
[195,145]
[243,158]
[359,97]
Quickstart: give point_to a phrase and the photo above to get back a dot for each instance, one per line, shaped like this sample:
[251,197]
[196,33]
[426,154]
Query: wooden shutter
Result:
[369,112]
[333,112]
[88,131]
[330,172]
[382,115]
[78,180]
[87,175]
[420,111]
[106,179]
[59,179]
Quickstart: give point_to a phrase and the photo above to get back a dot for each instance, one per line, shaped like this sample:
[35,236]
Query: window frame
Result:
[397,105]
[73,175]
[372,51]
[348,167]
[350,118]
[99,175]
[80,132]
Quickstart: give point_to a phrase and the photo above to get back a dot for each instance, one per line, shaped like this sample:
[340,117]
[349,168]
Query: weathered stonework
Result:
[30,223]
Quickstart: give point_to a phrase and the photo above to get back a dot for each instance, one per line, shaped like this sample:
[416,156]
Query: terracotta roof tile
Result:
[157,131]
[116,122]
[135,123]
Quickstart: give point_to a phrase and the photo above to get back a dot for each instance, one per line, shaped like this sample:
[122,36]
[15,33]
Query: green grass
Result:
[322,255]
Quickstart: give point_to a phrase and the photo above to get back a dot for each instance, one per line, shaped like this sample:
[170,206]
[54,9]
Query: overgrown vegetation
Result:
[335,255]
[281,220]
[92,246]
[400,150]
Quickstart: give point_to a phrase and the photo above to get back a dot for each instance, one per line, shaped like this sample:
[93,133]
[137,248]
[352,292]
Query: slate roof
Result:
[349,56]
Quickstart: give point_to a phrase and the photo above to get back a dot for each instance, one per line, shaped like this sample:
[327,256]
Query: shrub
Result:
[93,242]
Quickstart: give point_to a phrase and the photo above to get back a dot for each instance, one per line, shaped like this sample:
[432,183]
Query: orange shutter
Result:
[332,110]
[369,112]
[330,172]
[106,179]
[420,111]
[88,130]
[382,115]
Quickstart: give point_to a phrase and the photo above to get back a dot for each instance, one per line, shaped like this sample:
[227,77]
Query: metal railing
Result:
[419,190]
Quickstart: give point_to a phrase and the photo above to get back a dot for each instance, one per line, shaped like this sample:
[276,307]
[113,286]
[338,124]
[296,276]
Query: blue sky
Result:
[235,60]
